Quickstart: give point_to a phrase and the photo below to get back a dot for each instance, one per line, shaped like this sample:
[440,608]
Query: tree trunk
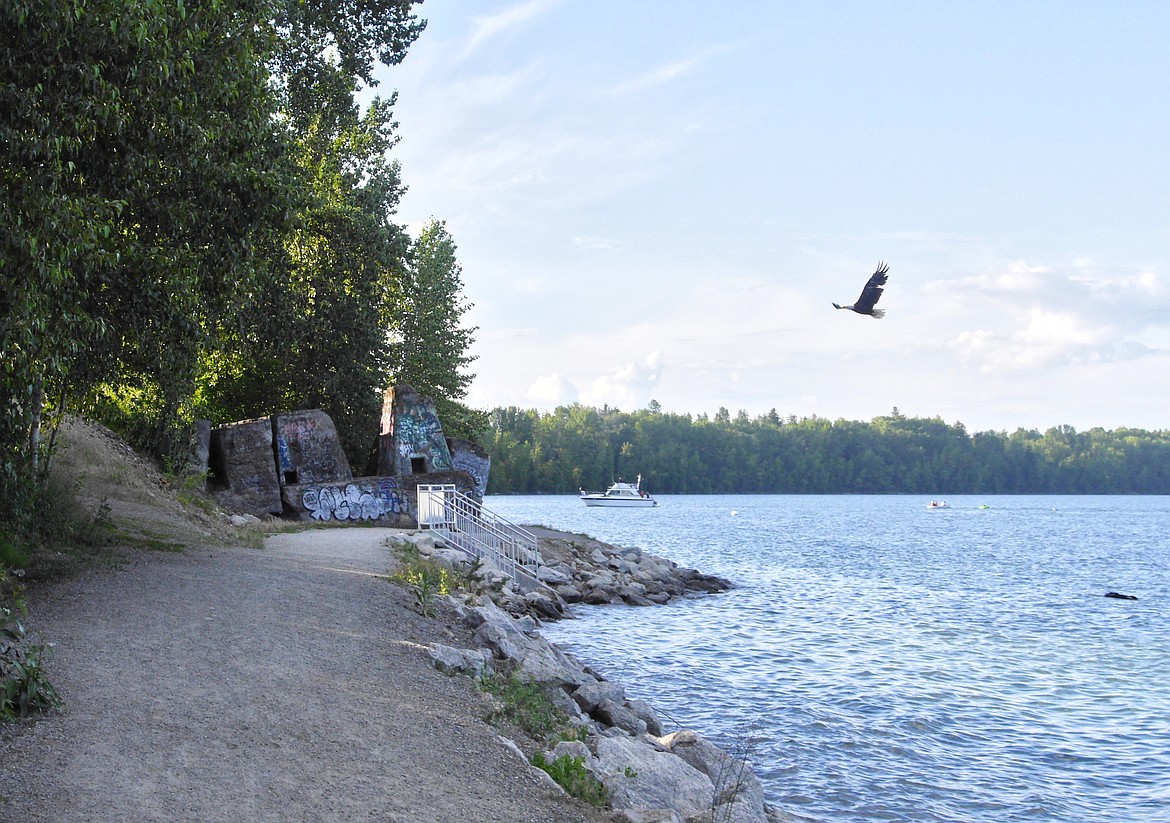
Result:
[34,431]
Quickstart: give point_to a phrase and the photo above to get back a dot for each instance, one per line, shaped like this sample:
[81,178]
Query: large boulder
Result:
[533,656]
[308,449]
[735,783]
[471,662]
[638,775]
[411,439]
[243,468]
[198,451]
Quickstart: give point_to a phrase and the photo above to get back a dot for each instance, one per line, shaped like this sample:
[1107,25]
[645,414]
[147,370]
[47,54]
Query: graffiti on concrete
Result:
[474,465]
[419,432]
[357,501]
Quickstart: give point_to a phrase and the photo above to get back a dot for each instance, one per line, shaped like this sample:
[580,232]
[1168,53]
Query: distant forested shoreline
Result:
[579,446]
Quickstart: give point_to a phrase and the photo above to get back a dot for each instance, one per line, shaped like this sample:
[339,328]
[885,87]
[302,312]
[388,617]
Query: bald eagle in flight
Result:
[870,294]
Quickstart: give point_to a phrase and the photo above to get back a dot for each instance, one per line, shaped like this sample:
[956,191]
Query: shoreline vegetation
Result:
[175,640]
[579,446]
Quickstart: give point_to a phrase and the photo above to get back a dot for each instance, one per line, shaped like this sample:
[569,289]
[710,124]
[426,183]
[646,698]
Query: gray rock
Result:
[598,596]
[243,468]
[308,449]
[553,576]
[734,781]
[534,656]
[638,775]
[195,462]
[470,457]
[570,594]
[544,605]
[619,716]
[645,712]
[740,810]
[449,660]
[634,594]
[593,692]
[647,816]
[574,749]
[566,704]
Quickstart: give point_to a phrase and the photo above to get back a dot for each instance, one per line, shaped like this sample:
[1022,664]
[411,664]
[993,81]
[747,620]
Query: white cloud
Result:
[488,27]
[628,388]
[1033,316]
[1048,340]
[494,333]
[552,390]
[1017,278]
[670,71]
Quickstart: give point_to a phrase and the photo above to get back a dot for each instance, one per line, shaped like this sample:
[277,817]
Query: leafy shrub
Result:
[190,489]
[24,689]
[527,704]
[571,775]
[12,555]
[426,578]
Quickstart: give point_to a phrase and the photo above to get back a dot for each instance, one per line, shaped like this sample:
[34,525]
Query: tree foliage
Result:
[195,216]
[314,333]
[582,447]
[431,345]
[136,179]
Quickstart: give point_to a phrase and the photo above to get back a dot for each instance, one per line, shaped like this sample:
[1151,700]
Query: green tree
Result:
[312,333]
[431,344]
[893,454]
[138,173]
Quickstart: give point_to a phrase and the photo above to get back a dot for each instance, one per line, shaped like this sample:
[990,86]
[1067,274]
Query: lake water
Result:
[879,660]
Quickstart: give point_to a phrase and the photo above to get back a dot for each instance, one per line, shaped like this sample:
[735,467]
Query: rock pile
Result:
[650,776]
[581,569]
[679,777]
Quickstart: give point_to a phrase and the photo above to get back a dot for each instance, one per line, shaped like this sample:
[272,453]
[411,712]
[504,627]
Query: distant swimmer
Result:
[1117,596]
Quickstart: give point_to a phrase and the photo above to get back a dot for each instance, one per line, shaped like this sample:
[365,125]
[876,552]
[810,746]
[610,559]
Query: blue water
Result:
[879,660]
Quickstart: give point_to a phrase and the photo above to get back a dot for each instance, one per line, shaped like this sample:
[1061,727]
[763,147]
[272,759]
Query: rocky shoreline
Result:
[649,776]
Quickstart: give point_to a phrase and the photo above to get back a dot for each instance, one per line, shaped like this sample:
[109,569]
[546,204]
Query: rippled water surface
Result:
[885,661]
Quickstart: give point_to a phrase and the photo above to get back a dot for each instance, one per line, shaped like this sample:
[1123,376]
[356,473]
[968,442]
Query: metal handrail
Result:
[466,524]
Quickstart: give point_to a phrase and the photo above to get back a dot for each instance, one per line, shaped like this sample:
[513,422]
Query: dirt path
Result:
[283,684]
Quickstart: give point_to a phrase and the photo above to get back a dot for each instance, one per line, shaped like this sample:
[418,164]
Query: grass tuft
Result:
[527,704]
[571,775]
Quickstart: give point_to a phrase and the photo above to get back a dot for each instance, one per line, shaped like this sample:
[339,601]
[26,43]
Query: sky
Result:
[661,200]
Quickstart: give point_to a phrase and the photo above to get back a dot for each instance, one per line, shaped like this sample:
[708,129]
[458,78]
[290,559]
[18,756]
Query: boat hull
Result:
[611,502]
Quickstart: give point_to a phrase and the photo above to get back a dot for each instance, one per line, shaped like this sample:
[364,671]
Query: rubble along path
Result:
[290,683]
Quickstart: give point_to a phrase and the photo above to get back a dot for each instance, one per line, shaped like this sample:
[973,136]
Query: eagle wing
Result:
[872,290]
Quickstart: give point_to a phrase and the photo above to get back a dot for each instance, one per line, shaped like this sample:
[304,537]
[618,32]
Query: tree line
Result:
[197,220]
[579,446]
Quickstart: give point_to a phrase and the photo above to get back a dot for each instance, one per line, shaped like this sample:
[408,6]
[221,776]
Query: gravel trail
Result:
[289,683]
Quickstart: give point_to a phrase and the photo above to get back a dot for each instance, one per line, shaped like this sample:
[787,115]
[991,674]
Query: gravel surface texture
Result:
[288,683]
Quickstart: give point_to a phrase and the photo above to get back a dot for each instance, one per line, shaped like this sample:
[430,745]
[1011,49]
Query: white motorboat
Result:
[619,494]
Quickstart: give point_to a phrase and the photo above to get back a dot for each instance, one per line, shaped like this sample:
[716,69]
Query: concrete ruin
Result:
[292,465]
